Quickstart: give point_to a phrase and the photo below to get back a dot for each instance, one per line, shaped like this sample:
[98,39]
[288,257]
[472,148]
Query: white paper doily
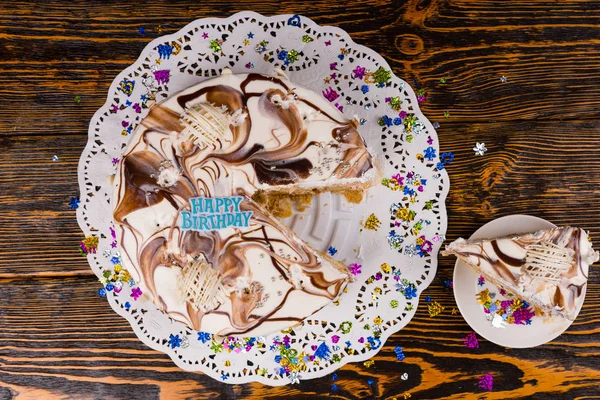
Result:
[394,235]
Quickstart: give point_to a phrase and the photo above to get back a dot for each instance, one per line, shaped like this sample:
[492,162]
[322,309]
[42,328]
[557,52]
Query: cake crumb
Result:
[353,196]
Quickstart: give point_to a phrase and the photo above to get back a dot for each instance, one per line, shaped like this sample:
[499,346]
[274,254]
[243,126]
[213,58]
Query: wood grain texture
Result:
[542,128]
[50,348]
[549,51]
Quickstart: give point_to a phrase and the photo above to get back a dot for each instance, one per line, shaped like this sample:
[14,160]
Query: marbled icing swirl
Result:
[501,261]
[291,136]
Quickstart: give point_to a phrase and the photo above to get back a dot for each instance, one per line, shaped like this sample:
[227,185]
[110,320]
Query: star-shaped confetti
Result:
[479,149]
[74,203]
[205,35]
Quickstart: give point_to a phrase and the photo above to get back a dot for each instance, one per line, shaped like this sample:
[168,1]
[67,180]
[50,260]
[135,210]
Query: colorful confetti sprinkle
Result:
[215,46]
[486,382]
[355,268]
[74,203]
[434,309]
[399,353]
[372,223]
[174,341]
[332,251]
[471,341]
[480,149]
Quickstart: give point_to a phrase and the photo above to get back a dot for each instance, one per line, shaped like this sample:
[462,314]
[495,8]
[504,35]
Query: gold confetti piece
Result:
[368,363]
[435,308]
[385,267]
[484,297]
[373,223]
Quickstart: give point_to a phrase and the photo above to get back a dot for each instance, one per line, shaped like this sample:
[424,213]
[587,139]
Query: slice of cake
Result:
[548,269]
[192,195]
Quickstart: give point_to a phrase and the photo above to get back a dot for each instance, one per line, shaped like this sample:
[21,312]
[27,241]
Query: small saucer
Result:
[467,285]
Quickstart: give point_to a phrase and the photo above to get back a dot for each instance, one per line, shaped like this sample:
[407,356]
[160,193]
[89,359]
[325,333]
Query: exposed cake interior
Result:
[548,268]
[266,140]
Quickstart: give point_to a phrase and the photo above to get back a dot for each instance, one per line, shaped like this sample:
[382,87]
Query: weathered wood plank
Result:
[548,51]
[51,348]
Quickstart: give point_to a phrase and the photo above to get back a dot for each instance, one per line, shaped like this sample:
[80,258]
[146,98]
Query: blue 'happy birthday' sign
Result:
[214,213]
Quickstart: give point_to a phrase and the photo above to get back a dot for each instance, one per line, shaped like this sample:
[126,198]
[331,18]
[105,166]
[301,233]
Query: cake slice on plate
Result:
[548,268]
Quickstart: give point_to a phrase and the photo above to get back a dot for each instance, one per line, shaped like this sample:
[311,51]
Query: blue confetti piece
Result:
[74,203]
[294,20]
[323,351]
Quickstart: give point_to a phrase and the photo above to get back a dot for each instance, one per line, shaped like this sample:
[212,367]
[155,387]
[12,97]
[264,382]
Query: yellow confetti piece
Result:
[90,242]
[227,363]
[377,290]
[454,311]
[385,267]
[125,275]
[377,321]
[118,268]
[373,223]
[176,48]
[484,297]
[286,331]
[368,363]
[518,303]
[407,395]
[435,308]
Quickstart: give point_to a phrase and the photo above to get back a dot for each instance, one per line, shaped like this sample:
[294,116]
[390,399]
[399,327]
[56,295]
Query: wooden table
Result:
[542,128]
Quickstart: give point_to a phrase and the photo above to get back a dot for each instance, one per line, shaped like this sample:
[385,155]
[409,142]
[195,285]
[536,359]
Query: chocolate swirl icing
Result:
[290,136]
[501,261]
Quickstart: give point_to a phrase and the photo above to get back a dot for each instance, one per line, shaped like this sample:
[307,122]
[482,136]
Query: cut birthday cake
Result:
[548,268]
[199,189]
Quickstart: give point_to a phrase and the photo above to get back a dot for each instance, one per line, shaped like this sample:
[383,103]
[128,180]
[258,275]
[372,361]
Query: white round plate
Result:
[466,288]
[401,228]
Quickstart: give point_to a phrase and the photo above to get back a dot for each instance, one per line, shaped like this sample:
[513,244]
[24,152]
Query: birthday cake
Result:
[200,185]
[548,269]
